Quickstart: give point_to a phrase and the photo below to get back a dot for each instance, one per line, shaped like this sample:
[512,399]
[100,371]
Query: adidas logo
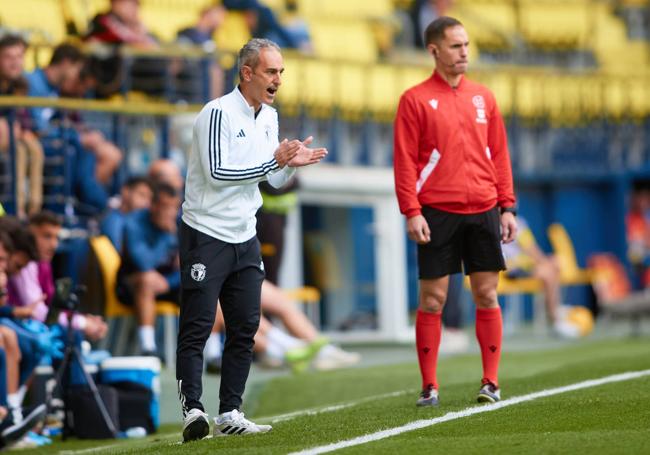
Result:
[241,134]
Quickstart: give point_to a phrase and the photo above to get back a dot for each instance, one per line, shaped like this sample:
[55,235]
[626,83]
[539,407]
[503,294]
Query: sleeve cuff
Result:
[410,213]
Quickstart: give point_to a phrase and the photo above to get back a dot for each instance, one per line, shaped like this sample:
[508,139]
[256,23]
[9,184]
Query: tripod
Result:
[62,381]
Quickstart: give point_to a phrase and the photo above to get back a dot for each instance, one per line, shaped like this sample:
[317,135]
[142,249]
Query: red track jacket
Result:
[451,150]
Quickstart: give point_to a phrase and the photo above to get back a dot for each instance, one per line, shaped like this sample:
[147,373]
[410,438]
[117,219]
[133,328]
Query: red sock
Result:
[427,341]
[489,329]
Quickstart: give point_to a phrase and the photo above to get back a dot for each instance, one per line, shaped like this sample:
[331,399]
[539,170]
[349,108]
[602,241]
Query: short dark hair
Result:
[64,52]
[136,180]
[45,217]
[435,31]
[6,243]
[12,40]
[162,188]
[21,238]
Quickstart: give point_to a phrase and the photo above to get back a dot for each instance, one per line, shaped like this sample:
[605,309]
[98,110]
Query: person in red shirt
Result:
[454,185]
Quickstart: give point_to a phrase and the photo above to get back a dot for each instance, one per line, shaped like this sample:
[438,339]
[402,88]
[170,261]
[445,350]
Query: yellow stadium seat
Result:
[490,24]
[343,40]
[570,271]
[345,9]
[83,11]
[109,263]
[289,93]
[318,87]
[233,33]
[350,90]
[383,91]
[529,97]
[43,18]
[556,24]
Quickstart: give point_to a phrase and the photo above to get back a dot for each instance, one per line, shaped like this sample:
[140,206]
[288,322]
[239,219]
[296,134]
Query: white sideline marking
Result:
[271,419]
[418,424]
[331,408]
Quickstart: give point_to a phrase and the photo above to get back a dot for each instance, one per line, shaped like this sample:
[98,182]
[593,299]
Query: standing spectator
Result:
[454,185]
[235,147]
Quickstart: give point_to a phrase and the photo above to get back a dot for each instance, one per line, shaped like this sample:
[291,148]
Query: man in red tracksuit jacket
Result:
[454,185]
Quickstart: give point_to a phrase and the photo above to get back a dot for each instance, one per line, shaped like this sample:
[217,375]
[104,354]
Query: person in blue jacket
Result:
[150,268]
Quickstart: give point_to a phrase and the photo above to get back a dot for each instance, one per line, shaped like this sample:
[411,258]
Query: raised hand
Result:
[306,155]
[286,151]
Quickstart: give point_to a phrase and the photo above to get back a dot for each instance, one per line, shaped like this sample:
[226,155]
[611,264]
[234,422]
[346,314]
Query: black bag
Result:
[84,415]
[135,402]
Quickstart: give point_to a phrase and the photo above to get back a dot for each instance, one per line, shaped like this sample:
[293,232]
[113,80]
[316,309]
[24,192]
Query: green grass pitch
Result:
[609,419]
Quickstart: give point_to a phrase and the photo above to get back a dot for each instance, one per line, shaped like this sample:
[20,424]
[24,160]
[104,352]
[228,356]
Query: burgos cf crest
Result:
[198,272]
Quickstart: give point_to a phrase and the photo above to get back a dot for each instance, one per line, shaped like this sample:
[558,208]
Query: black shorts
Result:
[458,241]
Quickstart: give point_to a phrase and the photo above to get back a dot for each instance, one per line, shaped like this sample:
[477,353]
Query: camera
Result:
[66,295]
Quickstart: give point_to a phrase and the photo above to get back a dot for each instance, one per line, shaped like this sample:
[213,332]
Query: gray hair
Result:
[249,55]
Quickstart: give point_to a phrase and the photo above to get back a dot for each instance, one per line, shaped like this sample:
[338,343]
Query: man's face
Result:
[12,62]
[126,10]
[136,198]
[452,51]
[265,79]
[164,212]
[47,240]
[70,76]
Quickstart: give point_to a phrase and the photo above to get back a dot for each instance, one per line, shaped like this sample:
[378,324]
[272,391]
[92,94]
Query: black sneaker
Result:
[13,432]
[489,393]
[428,397]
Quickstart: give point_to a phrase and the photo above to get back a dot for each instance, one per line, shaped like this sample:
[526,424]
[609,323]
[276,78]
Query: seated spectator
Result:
[524,258]
[190,78]
[107,155]
[201,33]
[164,170]
[262,23]
[150,267]
[28,149]
[121,24]
[135,195]
[297,347]
[638,235]
[64,68]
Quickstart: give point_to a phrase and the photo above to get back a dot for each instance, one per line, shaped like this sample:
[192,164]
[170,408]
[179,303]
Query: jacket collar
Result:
[440,82]
[244,107]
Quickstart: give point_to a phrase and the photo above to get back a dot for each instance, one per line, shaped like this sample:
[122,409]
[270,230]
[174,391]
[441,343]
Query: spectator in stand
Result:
[423,12]
[108,156]
[638,234]
[121,24]
[166,171]
[190,77]
[65,65]
[150,268]
[28,149]
[135,195]
[262,23]
[12,426]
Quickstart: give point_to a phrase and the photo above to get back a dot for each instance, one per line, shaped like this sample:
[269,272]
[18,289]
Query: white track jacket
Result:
[232,150]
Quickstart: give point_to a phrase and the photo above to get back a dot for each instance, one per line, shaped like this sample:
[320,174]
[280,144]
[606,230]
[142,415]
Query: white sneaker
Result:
[195,425]
[331,357]
[234,422]
[564,329]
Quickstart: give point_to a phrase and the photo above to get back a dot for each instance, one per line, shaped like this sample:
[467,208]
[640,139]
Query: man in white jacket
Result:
[235,146]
